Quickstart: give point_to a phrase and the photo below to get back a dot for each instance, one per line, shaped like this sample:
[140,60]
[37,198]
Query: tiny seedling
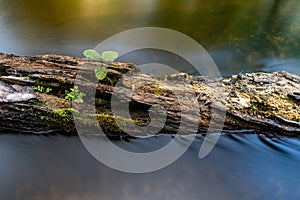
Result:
[255,106]
[74,95]
[157,90]
[108,56]
[133,87]
[42,89]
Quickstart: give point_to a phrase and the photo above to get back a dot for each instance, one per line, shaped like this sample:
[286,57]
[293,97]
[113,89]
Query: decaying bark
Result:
[266,102]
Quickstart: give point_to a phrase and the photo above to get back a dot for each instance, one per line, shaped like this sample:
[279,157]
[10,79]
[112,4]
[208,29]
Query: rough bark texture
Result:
[266,102]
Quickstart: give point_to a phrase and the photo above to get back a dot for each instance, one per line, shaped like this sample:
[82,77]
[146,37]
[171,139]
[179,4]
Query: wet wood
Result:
[268,103]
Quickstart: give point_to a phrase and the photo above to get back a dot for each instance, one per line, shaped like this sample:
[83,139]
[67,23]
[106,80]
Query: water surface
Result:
[239,167]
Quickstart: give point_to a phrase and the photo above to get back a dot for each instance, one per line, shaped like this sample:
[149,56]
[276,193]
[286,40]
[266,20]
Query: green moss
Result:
[36,102]
[102,103]
[260,109]
[65,113]
[65,118]
[107,122]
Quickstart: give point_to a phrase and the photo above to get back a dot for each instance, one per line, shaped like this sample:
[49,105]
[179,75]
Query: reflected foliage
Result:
[236,33]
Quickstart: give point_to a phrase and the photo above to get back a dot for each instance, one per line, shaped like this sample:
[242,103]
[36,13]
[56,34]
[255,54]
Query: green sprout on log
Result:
[157,90]
[133,87]
[74,95]
[107,56]
[42,89]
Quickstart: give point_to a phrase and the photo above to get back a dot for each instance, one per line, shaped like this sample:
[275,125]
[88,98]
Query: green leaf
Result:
[74,95]
[101,72]
[91,53]
[109,56]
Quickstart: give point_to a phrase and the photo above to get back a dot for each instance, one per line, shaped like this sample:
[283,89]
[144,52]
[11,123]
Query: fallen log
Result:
[33,91]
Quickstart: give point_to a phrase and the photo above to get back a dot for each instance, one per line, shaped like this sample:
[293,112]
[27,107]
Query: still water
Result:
[239,167]
[257,35]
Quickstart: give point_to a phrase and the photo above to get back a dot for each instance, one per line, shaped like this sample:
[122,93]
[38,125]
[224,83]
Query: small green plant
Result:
[108,56]
[42,89]
[74,95]
[133,87]
[48,90]
[254,106]
[157,90]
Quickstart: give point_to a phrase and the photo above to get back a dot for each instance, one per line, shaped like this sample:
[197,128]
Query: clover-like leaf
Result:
[101,72]
[109,56]
[91,53]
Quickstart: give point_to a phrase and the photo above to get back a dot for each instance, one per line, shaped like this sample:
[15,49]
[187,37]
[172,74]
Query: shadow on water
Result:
[239,167]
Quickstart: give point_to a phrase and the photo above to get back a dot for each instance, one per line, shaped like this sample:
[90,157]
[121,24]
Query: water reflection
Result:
[238,34]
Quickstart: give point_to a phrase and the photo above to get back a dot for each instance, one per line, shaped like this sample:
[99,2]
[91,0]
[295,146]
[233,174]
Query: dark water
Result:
[257,35]
[239,167]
